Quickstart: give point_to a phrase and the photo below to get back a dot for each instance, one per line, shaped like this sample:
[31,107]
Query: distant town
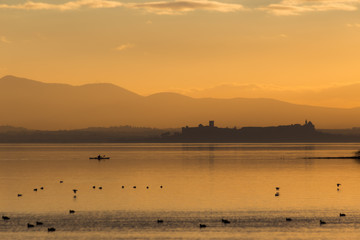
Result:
[305,132]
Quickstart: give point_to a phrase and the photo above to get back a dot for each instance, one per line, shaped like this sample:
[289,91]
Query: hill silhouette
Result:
[36,105]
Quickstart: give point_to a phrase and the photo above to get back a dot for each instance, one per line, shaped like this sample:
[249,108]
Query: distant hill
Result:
[38,105]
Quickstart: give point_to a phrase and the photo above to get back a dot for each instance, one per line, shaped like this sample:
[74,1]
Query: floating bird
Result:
[94,187]
[277,194]
[74,196]
[39,223]
[51,229]
[147,187]
[342,215]
[338,189]
[42,188]
[19,195]
[61,181]
[338,184]
[277,188]
[30,225]
[202,225]
[160,221]
[75,190]
[288,219]
[134,186]
[71,211]
[5,218]
[322,222]
[35,189]
[122,186]
[161,186]
[100,188]
[225,221]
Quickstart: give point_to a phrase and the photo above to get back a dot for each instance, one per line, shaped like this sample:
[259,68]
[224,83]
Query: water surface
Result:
[202,183]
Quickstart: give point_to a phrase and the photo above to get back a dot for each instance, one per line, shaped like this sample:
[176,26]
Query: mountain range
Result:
[49,106]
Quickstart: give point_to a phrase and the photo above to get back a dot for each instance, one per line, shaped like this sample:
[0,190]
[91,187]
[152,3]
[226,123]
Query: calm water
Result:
[202,183]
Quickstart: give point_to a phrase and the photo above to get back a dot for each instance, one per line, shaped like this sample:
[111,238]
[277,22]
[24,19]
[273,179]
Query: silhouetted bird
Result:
[342,214]
[5,218]
[30,225]
[42,188]
[338,184]
[100,188]
[19,195]
[51,229]
[35,189]
[134,186]
[61,181]
[71,211]
[338,189]
[75,190]
[94,187]
[147,187]
[322,222]
[277,194]
[225,221]
[161,186]
[277,188]
[160,221]
[122,186]
[39,223]
[202,225]
[288,219]
[74,196]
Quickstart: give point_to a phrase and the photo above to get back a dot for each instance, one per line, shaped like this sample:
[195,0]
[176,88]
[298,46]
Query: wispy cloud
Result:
[297,7]
[124,47]
[181,6]
[160,7]
[353,25]
[3,39]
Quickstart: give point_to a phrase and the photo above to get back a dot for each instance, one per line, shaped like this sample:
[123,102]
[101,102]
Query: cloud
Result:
[124,47]
[3,39]
[298,7]
[181,6]
[30,5]
[353,25]
[161,7]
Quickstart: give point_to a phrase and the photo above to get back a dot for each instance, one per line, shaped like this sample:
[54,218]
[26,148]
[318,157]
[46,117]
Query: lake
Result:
[201,184]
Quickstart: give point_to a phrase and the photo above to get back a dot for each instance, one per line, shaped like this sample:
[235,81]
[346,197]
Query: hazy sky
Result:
[151,46]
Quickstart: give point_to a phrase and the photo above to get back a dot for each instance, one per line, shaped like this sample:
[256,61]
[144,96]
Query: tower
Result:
[211,123]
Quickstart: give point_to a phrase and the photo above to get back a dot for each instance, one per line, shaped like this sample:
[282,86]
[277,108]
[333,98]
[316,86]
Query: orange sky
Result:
[185,46]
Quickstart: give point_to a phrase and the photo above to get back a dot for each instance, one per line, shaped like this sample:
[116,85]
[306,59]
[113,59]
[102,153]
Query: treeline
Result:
[10,134]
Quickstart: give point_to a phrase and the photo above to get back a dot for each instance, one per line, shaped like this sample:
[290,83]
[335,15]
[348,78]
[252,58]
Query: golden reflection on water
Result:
[210,178]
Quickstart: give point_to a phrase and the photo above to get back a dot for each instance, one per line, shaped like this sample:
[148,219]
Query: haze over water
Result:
[202,183]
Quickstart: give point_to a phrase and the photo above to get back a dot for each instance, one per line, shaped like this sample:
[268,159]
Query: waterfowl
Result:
[161,186]
[42,188]
[134,186]
[74,196]
[160,221]
[288,219]
[61,181]
[277,194]
[29,225]
[5,218]
[51,229]
[94,187]
[35,189]
[19,195]
[75,190]
[322,222]
[202,225]
[338,184]
[225,221]
[71,211]
[39,223]
[147,187]
[100,188]
[277,188]
[342,214]
[122,186]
